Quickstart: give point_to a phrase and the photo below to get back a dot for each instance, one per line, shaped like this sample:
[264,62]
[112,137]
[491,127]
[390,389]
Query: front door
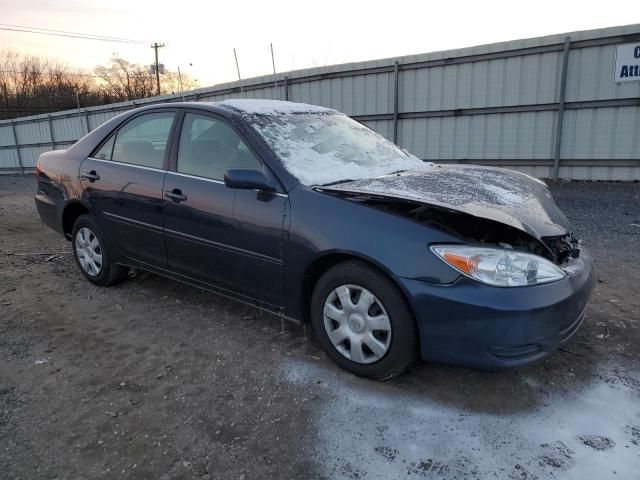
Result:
[123,181]
[224,237]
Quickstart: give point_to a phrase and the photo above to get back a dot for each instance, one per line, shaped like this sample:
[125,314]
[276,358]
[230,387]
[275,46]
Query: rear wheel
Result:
[363,322]
[93,255]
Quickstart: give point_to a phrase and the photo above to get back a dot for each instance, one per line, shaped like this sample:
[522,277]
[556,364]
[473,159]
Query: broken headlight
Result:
[499,267]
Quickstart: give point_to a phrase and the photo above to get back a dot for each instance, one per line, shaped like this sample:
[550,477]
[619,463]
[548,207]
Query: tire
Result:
[93,255]
[364,343]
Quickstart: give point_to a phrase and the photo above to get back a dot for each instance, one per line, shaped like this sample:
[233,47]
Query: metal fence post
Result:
[15,141]
[562,94]
[286,88]
[396,71]
[53,140]
[86,121]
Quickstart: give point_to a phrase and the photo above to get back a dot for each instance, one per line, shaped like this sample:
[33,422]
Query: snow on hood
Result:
[273,107]
[323,146]
[498,194]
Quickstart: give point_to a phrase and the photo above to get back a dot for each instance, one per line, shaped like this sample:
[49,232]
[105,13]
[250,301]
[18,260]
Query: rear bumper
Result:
[49,211]
[477,325]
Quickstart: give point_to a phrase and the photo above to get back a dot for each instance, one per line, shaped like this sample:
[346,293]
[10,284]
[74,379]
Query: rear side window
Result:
[143,140]
[209,147]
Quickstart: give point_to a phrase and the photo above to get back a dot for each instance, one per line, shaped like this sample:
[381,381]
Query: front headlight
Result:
[499,267]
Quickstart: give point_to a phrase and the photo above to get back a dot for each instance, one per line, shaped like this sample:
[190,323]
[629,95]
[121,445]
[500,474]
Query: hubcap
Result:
[357,324]
[89,251]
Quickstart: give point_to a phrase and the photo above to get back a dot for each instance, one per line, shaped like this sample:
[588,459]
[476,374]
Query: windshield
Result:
[320,149]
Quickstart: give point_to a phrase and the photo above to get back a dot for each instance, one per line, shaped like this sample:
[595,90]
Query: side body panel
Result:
[57,174]
[228,238]
[322,224]
[127,201]
[198,228]
[259,220]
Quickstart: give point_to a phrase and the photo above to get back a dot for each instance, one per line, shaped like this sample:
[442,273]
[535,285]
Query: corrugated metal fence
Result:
[544,105]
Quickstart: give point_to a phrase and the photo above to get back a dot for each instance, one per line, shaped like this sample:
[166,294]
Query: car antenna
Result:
[275,78]
[238,69]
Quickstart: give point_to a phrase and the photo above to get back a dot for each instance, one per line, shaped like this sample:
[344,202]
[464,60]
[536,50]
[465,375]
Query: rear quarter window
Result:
[142,141]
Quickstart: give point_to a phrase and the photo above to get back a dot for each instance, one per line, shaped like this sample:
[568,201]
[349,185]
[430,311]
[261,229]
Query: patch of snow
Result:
[381,431]
[322,149]
[506,197]
[273,107]
[313,168]
[41,361]
[494,193]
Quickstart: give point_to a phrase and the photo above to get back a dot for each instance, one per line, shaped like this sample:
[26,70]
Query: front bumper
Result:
[477,325]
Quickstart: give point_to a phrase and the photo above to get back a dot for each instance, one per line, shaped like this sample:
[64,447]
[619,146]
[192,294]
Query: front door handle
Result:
[175,195]
[92,176]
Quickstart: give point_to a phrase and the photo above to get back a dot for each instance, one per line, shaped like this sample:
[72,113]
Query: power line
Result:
[92,35]
[64,33]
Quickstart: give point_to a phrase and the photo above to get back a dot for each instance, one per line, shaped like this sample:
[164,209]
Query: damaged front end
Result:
[564,247]
[480,205]
[503,231]
[559,249]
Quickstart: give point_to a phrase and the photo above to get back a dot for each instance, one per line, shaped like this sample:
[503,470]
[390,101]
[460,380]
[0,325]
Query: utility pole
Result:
[180,84]
[156,46]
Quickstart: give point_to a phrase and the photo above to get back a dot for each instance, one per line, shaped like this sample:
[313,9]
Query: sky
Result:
[200,35]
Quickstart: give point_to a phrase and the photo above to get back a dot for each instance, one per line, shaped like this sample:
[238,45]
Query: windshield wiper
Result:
[337,182]
[347,180]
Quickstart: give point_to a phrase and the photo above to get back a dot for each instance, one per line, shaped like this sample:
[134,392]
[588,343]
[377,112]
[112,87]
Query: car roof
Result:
[237,107]
[215,107]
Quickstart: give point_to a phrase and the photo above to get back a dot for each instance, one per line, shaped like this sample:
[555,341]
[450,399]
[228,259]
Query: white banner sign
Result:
[627,63]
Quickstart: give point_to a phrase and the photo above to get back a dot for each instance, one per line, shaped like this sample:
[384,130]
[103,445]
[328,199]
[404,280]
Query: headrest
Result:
[203,149]
[139,151]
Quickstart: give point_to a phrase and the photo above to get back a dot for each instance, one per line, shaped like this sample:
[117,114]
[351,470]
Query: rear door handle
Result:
[175,195]
[92,176]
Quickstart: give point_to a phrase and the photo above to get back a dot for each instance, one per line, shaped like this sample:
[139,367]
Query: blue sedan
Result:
[301,211]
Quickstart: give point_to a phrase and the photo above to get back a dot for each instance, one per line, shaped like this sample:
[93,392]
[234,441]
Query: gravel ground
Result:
[153,379]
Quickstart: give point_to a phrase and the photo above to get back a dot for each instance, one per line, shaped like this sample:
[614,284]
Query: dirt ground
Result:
[153,379]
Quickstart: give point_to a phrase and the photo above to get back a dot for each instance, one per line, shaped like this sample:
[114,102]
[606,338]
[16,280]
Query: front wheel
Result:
[363,322]
[93,255]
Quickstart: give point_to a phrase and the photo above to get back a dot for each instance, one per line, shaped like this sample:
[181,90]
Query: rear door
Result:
[122,181]
[225,237]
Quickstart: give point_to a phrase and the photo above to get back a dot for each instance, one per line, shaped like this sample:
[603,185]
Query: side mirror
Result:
[247,179]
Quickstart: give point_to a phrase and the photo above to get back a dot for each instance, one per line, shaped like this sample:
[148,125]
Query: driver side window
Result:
[209,147]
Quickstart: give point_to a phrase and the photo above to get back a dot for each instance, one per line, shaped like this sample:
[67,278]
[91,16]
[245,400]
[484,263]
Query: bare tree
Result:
[31,85]
[123,80]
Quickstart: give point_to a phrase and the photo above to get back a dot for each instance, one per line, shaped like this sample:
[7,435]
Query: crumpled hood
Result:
[506,196]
